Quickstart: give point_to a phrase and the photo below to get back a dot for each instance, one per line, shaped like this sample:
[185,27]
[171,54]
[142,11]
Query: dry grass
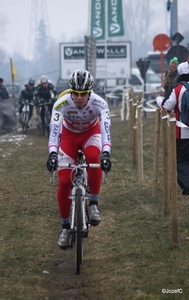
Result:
[130,255]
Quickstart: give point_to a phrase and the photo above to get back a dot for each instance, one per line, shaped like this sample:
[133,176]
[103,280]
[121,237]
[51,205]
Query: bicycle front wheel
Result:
[25,120]
[78,247]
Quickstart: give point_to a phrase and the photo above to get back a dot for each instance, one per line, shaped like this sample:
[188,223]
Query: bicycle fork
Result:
[83,208]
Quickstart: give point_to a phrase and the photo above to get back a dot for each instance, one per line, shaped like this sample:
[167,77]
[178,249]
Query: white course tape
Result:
[165,117]
[172,119]
[149,109]
[180,124]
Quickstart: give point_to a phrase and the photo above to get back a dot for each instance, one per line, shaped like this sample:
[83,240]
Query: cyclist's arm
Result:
[22,97]
[105,124]
[55,129]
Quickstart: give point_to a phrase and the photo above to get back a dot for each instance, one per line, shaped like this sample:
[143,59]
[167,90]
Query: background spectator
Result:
[173,103]
[3,91]
[171,77]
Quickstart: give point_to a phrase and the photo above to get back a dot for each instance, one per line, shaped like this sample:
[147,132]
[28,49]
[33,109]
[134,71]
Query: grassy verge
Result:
[130,255]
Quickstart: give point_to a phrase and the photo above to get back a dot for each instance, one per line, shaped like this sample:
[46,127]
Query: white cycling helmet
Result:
[44,79]
[81,80]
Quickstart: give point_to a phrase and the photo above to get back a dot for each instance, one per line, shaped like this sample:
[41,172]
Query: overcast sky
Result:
[67,19]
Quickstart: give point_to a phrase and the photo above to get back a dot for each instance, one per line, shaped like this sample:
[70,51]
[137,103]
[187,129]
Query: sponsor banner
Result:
[72,57]
[113,51]
[75,52]
[115,18]
[113,59]
[117,51]
[100,52]
[100,61]
[98,19]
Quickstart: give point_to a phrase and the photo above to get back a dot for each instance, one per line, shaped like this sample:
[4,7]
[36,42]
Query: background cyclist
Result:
[27,94]
[84,119]
[45,93]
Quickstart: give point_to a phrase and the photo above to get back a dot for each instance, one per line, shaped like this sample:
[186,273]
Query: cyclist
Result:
[45,93]
[83,119]
[27,94]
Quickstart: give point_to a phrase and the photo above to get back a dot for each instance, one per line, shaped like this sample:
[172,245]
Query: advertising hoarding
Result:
[72,57]
[113,59]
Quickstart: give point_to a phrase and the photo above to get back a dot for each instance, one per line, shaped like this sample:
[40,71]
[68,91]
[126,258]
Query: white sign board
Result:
[113,59]
[72,57]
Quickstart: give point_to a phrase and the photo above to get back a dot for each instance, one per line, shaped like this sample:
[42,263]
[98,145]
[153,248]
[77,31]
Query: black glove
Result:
[52,162]
[105,162]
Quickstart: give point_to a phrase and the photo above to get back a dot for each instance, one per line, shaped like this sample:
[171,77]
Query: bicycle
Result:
[44,127]
[79,216]
[104,176]
[25,115]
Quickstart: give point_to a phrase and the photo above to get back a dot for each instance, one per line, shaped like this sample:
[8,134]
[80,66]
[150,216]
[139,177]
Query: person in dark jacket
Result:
[45,93]
[3,91]
[27,94]
[173,103]
[171,77]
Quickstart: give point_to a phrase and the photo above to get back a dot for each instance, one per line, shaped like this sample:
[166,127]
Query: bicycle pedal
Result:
[86,235]
[94,223]
[64,247]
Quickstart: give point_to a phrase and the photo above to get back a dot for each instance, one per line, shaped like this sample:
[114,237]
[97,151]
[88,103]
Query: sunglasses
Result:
[80,93]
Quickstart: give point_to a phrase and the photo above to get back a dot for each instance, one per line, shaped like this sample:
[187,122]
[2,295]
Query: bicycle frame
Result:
[80,182]
[78,213]
[44,127]
[26,107]
[25,115]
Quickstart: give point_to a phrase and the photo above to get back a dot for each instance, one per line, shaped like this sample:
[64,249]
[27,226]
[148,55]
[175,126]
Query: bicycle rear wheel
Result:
[39,126]
[25,120]
[78,247]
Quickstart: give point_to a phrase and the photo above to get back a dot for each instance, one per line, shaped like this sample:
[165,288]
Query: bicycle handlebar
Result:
[27,102]
[79,166]
[43,103]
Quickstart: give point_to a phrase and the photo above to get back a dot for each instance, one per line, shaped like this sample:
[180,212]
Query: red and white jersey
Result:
[173,103]
[80,119]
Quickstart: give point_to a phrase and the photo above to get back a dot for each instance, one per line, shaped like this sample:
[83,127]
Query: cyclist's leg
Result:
[20,112]
[50,107]
[31,111]
[92,149]
[64,188]
[63,193]
[65,184]
[20,108]
[94,180]
[92,154]
[42,115]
